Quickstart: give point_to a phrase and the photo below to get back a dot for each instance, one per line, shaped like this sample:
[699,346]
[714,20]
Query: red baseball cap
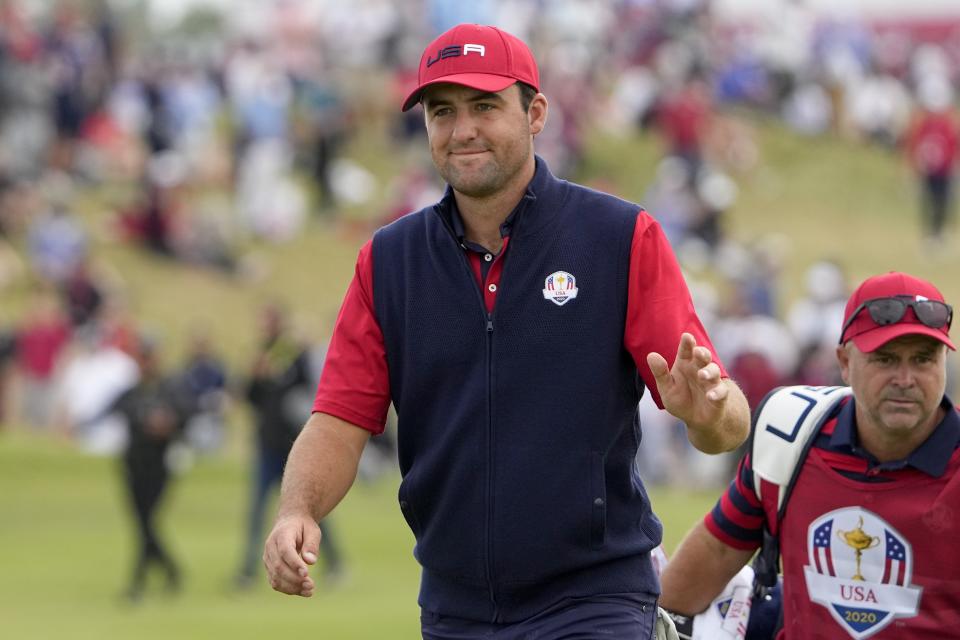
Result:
[870,336]
[476,56]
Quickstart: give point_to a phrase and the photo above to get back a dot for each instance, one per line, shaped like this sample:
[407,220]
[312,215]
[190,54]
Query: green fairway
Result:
[66,546]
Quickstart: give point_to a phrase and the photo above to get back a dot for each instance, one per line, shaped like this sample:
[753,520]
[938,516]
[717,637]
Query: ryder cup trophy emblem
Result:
[560,288]
[879,590]
[859,541]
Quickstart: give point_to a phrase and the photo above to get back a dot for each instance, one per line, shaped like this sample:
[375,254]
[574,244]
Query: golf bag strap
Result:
[783,432]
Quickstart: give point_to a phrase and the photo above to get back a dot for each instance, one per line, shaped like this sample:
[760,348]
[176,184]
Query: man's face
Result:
[898,387]
[480,141]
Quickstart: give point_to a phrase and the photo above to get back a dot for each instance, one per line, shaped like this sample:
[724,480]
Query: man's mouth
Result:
[900,402]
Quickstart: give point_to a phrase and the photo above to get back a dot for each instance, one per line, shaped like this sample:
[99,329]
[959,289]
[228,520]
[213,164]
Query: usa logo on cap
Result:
[560,288]
[477,56]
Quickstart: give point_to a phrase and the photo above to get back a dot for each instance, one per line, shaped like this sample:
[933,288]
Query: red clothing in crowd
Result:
[933,142]
[683,119]
[39,345]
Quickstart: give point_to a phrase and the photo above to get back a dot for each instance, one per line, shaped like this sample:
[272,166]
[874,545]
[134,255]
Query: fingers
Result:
[709,374]
[310,546]
[711,383]
[688,350]
[685,349]
[658,366]
[696,363]
[689,359]
[702,356]
[286,569]
[291,583]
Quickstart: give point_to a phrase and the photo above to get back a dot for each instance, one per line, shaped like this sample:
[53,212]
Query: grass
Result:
[66,545]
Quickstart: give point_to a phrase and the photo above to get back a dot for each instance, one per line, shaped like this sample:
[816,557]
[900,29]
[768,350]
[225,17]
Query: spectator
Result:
[683,117]
[204,380]
[40,340]
[932,144]
[155,412]
[814,317]
[57,242]
[280,391]
[7,351]
[324,126]
[814,321]
[94,374]
[83,296]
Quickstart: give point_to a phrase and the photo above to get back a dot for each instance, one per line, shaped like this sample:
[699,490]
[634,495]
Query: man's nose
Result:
[904,375]
[465,127]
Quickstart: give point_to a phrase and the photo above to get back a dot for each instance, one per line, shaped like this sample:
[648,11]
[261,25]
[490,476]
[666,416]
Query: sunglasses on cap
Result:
[885,311]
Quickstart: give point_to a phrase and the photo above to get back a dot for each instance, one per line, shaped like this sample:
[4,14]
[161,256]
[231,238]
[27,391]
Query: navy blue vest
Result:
[517,430]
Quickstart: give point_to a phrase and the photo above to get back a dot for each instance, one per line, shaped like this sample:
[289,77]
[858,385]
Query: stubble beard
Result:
[901,420]
[488,179]
[476,183]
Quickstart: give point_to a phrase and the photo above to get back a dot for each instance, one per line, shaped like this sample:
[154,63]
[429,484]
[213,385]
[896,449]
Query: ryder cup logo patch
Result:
[860,569]
[560,287]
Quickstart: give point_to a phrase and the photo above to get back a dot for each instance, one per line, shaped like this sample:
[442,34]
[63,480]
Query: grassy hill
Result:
[821,197]
[825,196]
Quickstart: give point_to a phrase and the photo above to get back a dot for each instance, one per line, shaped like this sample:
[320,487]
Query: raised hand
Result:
[692,389]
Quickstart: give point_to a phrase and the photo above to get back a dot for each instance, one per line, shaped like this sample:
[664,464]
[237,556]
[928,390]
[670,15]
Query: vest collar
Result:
[528,216]
[931,457]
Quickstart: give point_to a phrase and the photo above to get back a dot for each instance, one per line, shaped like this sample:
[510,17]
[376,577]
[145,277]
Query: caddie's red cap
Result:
[870,336]
[476,56]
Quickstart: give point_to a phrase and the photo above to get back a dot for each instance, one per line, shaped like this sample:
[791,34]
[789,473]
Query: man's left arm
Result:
[659,308]
[714,408]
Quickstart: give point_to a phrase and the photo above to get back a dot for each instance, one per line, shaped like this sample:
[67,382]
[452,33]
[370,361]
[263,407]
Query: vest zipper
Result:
[491,581]
[491,578]
[488,529]
[491,483]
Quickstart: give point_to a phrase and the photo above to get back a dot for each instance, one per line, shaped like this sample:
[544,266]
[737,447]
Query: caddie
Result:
[857,487]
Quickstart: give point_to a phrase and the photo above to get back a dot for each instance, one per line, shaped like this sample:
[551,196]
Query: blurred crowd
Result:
[228,130]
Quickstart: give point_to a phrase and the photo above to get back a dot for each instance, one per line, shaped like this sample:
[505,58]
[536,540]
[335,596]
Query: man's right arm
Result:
[320,470]
[698,571]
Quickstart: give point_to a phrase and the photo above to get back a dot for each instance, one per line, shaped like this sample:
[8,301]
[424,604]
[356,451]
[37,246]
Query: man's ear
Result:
[843,357]
[537,113]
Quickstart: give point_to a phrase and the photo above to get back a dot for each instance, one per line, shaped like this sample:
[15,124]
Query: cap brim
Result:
[875,338]
[479,81]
